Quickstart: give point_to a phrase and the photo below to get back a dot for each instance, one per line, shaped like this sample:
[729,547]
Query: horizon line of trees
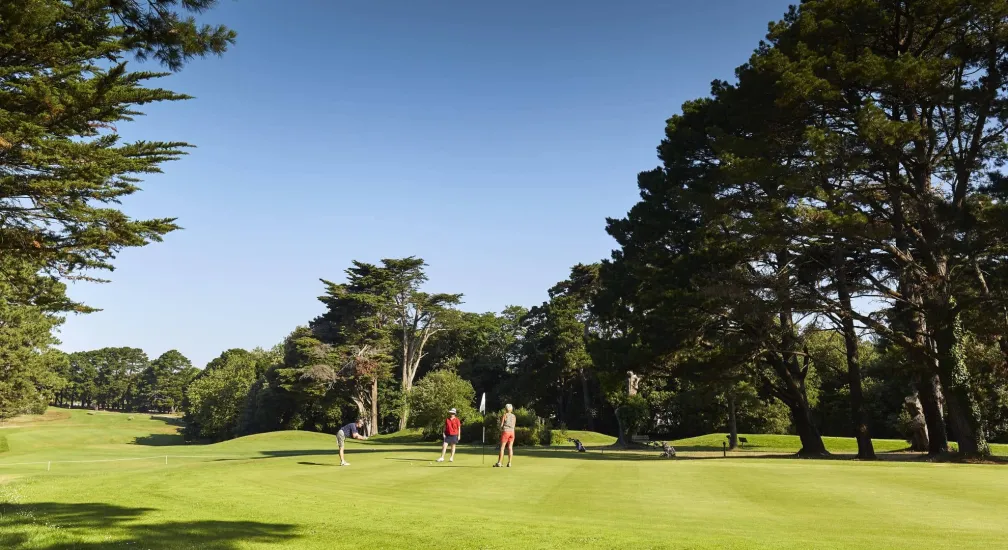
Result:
[121,379]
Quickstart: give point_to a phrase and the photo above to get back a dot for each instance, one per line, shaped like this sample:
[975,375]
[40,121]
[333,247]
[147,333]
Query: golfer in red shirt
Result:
[452,431]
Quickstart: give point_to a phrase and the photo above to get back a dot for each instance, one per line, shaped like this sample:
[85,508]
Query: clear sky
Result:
[491,139]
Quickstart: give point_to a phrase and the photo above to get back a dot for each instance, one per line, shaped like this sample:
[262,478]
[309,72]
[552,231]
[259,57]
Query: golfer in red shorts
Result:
[507,436]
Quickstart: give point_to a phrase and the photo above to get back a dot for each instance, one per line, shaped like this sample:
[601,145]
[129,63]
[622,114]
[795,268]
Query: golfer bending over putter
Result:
[350,430]
[452,432]
[507,436]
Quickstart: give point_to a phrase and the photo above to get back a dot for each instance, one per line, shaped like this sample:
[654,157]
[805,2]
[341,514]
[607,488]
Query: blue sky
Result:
[490,139]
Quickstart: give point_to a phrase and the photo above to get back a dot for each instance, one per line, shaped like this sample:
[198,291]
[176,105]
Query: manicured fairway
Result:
[285,490]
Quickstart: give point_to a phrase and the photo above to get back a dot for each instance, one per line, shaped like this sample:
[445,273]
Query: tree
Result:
[437,392]
[27,319]
[118,377]
[418,316]
[215,400]
[358,324]
[704,272]
[164,382]
[64,87]
[484,348]
[84,378]
[381,308]
[915,92]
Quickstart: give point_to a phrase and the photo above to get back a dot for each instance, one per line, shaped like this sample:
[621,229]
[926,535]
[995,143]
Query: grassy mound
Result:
[591,439]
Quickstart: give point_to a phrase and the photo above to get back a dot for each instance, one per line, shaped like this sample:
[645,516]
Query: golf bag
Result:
[667,451]
[577,444]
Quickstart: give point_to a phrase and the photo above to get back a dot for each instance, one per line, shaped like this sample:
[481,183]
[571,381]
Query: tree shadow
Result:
[159,440]
[68,526]
[349,452]
[170,420]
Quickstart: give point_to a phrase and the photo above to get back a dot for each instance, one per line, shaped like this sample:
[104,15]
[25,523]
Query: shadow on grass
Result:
[170,420]
[59,526]
[401,439]
[160,440]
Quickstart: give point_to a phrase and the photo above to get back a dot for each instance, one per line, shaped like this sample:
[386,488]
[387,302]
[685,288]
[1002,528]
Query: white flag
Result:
[483,404]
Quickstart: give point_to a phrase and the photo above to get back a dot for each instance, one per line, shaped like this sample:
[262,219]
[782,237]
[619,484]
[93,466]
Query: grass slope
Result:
[284,490]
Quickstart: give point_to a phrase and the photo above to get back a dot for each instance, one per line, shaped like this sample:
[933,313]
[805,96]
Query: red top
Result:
[452,425]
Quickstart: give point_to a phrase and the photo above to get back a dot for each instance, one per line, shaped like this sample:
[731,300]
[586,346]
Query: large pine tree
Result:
[65,85]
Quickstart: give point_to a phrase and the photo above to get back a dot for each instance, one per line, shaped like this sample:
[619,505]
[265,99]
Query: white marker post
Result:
[482,410]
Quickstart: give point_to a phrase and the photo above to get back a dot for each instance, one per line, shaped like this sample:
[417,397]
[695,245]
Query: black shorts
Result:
[451,439]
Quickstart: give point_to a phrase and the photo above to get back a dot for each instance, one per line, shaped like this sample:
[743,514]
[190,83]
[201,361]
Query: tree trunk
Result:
[732,424]
[586,398]
[929,391]
[404,416]
[858,415]
[406,385]
[620,436]
[793,374]
[964,410]
[918,424]
[374,406]
[811,439]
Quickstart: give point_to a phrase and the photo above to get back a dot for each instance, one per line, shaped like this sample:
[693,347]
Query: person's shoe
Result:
[509,465]
[452,459]
[344,463]
[440,459]
[498,465]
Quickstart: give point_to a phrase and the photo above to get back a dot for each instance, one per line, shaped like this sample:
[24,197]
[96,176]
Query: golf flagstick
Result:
[482,410]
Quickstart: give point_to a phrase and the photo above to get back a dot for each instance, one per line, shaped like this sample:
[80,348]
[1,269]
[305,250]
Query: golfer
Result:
[507,436]
[452,432]
[350,430]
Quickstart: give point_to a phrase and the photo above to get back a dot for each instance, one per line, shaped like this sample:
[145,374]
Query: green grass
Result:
[591,439]
[284,490]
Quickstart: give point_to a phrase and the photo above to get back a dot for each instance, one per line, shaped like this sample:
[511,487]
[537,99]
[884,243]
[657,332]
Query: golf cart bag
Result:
[667,451]
[577,444]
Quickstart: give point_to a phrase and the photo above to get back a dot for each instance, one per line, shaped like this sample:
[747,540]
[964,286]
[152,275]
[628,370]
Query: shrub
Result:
[542,432]
[529,428]
[492,424]
[559,436]
[525,437]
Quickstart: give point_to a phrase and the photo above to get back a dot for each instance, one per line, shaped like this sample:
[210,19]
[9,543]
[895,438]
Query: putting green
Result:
[285,490]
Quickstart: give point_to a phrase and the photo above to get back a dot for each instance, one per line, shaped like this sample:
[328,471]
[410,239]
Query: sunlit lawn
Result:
[286,490]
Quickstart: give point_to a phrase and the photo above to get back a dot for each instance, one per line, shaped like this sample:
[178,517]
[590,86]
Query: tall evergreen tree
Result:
[916,92]
[65,85]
